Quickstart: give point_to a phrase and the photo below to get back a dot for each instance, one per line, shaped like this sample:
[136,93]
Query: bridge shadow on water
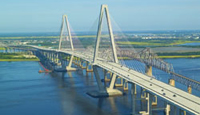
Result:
[73,87]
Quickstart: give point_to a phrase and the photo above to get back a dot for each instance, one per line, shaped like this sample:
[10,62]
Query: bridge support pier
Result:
[82,64]
[57,60]
[172,82]
[87,67]
[119,84]
[181,111]
[63,63]
[74,60]
[133,98]
[148,71]
[189,89]
[167,109]
[102,90]
[69,67]
[111,91]
[125,84]
[106,79]
[149,99]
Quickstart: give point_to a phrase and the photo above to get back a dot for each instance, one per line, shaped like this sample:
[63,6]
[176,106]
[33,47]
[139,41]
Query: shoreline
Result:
[120,58]
[167,57]
[15,60]
[179,56]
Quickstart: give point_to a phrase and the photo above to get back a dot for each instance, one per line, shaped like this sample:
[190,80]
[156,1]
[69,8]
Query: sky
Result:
[130,15]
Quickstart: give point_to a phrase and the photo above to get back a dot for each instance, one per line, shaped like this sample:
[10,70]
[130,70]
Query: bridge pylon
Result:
[65,22]
[105,91]
[104,8]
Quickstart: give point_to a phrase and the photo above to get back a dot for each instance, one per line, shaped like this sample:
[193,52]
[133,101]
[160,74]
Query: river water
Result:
[24,91]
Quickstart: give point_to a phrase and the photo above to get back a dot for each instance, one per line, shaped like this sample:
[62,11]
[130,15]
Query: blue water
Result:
[12,51]
[184,66]
[191,44]
[24,91]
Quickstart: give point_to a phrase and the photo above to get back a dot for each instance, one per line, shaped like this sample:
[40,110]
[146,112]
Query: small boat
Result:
[46,71]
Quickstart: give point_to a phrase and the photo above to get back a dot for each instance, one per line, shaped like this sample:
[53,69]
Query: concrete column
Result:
[155,102]
[44,54]
[48,55]
[57,58]
[87,67]
[52,56]
[112,83]
[80,62]
[135,89]
[119,84]
[190,89]
[175,110]
[68,57]
[181,111]
[77,61]
[74,60]
[82,66]
[148,70]
[125,85]
[106,79]
[167,109]
[133,98]
[111,91]
[149,105]
[150,98]
[143,95]
[100,85]
[69,68]
[172,82]
[61,61]
[105,75]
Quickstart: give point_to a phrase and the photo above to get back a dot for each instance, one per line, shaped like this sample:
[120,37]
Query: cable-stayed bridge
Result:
[106,58]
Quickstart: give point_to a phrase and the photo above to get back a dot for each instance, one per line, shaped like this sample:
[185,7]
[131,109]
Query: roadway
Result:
[171,94]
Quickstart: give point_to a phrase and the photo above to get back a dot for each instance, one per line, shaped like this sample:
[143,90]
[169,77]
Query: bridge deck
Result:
[172,94]
[176,96]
